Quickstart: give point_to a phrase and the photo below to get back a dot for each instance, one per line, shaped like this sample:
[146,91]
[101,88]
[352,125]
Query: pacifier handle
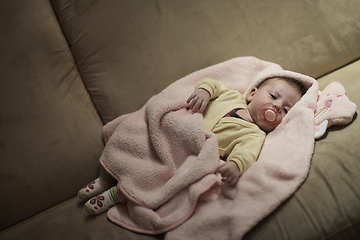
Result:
[270,115]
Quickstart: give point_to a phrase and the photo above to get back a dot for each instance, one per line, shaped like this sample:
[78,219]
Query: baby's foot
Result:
[94,188]
[100,203]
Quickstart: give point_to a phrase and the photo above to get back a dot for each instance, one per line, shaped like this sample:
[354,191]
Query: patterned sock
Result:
[100,203]
[94,188]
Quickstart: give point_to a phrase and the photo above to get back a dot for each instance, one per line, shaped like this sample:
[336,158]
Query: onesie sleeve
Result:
[246,151]
[214,87]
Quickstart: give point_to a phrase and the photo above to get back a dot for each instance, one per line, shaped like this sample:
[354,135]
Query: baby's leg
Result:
[102,202]
[99,185]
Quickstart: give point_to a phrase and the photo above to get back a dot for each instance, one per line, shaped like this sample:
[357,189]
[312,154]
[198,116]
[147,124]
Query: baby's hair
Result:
[296,84]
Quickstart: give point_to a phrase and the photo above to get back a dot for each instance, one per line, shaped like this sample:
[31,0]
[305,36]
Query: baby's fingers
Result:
[202,107]
[198,106]
[220,169]
[233,182]
[191,97]
[192,102]
[227,179]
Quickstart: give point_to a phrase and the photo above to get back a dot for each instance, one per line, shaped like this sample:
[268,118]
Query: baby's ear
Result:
[333,108]
[251,94]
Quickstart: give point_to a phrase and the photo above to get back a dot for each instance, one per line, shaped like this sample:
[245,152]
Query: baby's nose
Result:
[277,107]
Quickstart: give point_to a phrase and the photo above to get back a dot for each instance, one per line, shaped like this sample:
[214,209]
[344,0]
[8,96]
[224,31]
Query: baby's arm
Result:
[230,172]
[206,89]
[198,100]
[242,156]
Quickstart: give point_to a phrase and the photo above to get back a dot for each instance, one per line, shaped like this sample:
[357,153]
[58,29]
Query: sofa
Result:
[68,67]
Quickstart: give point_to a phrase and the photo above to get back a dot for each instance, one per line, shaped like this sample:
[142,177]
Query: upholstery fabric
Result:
[68,66]
[50,133]
[142,46]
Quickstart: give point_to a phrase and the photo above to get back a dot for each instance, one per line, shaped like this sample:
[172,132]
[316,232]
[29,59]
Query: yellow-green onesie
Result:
[239,140]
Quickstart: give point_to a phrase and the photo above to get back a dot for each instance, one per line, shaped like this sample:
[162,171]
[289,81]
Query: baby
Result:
[239,124]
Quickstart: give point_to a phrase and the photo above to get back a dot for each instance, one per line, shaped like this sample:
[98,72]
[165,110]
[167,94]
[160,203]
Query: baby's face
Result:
[270,103]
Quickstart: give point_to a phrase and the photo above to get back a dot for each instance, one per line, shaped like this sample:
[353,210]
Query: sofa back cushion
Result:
[127,51]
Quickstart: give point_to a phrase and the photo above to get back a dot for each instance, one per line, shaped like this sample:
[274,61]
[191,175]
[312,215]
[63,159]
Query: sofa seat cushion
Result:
[69,220]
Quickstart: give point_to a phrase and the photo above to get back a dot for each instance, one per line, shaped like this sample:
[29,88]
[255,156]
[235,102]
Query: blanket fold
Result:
[165,161]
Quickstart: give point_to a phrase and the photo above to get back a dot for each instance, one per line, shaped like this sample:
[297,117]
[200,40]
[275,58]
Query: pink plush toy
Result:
[333,108]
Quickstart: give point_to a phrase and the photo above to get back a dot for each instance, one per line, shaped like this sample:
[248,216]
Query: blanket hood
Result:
[308,82]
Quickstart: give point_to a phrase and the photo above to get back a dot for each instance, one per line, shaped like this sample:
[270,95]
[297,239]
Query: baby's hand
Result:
[230,172]
[198,101]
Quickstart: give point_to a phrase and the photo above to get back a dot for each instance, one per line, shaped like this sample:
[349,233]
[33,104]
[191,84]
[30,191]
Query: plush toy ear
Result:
[333,108]
[320,129]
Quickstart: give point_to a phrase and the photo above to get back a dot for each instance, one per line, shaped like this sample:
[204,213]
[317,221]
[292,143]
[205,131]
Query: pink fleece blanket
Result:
[165,161]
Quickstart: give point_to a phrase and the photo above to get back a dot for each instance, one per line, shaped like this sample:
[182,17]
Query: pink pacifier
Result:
[269,114]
